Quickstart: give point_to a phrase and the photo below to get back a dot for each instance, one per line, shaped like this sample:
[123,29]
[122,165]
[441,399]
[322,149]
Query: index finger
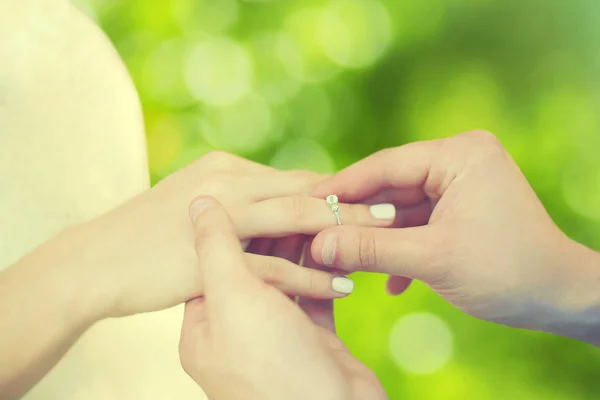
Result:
[404,167]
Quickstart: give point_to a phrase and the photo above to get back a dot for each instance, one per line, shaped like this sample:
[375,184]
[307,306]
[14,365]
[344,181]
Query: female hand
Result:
[475,232]
[140,257]
[246,340]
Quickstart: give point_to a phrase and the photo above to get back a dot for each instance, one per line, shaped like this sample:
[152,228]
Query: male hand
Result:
[472,228]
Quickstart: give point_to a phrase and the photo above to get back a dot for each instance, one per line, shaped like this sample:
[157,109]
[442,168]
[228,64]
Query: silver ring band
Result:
[332,200]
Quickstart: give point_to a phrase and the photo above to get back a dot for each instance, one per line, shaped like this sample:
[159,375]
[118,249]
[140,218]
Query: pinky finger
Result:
[396,285]
[295,280]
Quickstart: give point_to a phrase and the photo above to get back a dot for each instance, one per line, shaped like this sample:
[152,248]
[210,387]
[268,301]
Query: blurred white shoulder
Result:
[71,129]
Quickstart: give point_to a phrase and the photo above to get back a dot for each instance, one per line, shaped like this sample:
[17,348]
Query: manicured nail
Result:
[383,211]
[328,250]
[342,284]
[198,206]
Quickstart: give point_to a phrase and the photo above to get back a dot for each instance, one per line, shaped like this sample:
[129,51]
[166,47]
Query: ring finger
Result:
[284,216]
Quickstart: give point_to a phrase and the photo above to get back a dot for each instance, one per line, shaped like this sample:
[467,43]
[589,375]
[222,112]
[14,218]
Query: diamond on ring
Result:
[332,200]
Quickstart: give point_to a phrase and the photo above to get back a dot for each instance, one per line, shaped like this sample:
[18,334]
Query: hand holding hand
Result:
[140,256]
[246,340]
[470,226]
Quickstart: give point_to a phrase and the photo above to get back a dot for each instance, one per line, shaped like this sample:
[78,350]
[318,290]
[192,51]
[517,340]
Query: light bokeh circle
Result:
[581,186]
[303,153]
[421,343]
[161,73]
[197,16]
[241,127]
[301,49]
[272,79]
[312,112]
[219,71]
[355,33]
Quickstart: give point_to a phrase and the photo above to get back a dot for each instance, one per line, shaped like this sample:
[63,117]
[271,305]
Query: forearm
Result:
[42,313]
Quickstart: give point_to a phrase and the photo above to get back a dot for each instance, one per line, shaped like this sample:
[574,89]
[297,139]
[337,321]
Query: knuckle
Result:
[271,272]
[297,207]
[481,147]
[218,160]
[483,136]
[215,185]
[482,140]
[367,252]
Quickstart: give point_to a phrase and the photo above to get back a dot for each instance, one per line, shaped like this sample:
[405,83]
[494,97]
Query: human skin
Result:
[478,236]
[139,258]
[244,340]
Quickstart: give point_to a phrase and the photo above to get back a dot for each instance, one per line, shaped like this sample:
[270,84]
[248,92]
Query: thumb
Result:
[223,268]
[408,252]
[220,256]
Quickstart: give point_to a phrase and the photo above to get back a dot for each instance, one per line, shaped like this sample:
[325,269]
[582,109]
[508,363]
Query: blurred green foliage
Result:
[319,84]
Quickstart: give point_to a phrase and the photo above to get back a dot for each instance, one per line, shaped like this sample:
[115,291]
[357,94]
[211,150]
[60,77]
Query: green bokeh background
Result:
[319,84]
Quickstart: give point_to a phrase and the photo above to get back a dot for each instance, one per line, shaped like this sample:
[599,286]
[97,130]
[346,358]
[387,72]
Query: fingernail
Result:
[328,250]
[342,284]
[198,206]
[383,211]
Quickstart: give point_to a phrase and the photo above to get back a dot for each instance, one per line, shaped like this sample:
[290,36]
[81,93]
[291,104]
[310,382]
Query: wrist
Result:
[577,303]
[66,266]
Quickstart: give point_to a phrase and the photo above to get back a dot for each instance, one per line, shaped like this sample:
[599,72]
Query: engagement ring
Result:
[332,200]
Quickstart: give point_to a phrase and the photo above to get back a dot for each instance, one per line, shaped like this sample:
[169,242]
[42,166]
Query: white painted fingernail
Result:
[342,284]
[328,250]
[383,211]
